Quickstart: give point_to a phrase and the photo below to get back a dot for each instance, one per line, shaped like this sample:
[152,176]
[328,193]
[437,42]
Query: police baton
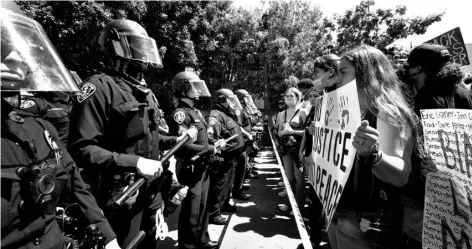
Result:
[119,202]
[195,158]
[135,242]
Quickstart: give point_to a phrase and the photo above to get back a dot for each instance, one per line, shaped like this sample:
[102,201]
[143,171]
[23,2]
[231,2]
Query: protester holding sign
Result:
[436,80]
[370,210]
[324,65]
[290,132]
[305,151]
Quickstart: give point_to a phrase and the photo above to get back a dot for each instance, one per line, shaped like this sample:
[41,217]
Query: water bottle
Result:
[179,196]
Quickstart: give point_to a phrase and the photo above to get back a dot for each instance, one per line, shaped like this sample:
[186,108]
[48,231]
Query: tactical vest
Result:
[38,184]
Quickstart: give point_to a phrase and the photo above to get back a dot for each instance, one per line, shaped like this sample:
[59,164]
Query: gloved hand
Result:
[150,169]
[192,133]
[112,245]
[220,144]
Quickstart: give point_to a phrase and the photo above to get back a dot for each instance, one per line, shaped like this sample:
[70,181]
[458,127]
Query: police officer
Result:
[53,107]
[115,135]
[252,124]
[37,171]
[245,120]
[223,124]
[193,219]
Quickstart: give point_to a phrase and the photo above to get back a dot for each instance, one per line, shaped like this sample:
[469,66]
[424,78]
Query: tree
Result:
[240,46]
[378,28]
[75,26]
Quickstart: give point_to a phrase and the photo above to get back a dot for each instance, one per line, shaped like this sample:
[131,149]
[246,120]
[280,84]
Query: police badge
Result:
[179,117]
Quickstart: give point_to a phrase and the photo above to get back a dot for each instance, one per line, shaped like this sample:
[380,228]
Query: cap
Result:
[429,56]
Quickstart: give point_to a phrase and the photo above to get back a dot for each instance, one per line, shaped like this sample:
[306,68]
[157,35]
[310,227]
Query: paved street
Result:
[258,223]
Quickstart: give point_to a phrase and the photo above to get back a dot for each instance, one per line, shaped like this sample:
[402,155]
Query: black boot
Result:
[240,196]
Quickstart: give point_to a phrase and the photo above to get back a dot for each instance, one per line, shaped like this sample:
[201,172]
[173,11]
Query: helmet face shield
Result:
[248,100]
[29,61]
[140,48]
[200,88]
[233,102]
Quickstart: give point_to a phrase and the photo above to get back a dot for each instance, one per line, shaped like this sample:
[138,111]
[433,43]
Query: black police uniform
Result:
[193,218]
[55,110]
[28,141]
[116,123]
[222,125]
[244,121]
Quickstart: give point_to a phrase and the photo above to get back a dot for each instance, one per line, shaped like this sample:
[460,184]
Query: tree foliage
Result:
[364,25]
[227,46]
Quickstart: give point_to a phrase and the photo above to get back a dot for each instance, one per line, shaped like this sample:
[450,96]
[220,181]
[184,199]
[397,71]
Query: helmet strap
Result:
[188,101]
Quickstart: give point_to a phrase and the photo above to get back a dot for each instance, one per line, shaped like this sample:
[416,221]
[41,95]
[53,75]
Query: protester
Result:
[291,129]
[437,83]
[306,145]
[305,85]
[369,213]
[115,133]
[193,218]
[37,171]
[435,79]
[326,67]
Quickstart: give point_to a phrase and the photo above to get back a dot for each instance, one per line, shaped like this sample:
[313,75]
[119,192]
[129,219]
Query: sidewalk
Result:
[258,223]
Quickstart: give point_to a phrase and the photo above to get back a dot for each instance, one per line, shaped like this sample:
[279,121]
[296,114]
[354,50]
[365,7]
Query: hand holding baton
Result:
[195,158]
[119,202]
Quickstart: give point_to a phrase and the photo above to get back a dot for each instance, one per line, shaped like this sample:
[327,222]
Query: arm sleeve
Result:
[167,142]
[192,148]
[214,129]
[188,148]
[89,118]
[80,193]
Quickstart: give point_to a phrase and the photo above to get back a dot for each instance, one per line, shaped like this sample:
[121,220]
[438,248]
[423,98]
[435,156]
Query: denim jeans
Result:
[375,230]
[295,178]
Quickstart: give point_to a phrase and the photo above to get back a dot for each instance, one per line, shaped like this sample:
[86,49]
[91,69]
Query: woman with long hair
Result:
[291,129]
[370,211]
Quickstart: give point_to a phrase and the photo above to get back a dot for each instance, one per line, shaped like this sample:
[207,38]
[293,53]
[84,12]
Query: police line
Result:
[293,203]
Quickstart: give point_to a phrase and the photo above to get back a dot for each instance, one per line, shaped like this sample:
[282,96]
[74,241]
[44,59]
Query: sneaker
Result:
[281,184]
[284,208]
[283,193]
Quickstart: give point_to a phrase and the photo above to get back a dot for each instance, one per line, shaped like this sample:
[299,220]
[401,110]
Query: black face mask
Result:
[197,103]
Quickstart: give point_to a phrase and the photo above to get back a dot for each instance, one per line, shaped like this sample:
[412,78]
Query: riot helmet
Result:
[128,40]
[187,84]
[227,96]
[244,97]
[29,61]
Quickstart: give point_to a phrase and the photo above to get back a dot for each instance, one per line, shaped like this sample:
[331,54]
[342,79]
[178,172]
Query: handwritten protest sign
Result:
[452,39]
[447,219]
[337,117]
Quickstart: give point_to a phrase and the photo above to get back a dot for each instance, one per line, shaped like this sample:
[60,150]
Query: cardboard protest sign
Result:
[447,216]
[337,117]
[452,39]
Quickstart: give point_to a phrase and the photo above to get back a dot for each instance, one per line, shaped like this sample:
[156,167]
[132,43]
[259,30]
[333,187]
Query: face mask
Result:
[327,80]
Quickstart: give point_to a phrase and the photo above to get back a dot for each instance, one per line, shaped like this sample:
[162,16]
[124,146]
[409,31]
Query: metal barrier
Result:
[293,203]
